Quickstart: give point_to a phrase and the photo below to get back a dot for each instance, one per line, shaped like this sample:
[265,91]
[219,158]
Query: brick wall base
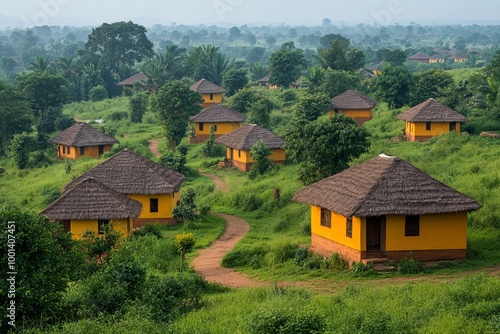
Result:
[428,255]
[139,222]
[324,244]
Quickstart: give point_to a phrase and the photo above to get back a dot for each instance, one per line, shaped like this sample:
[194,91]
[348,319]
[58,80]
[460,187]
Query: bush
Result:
[336,262]
[243,256]
[280,253]
[360,267]
[118,115]
[148,229]
[50,195]
[98,93]
[286,321]
[409,266]
[301,256]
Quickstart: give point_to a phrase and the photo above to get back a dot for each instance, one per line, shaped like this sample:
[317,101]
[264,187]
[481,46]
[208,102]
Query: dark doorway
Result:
[101,149]
[375,226]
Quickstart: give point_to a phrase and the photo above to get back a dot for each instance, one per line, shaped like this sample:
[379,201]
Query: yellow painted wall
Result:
[216,98]
[74,152]
[166,202]
[222,128]
[78,227]
[418,129]
[243,156]
[441,231]
[337,232]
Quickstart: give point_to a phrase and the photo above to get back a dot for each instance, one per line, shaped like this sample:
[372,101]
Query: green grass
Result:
[459,74]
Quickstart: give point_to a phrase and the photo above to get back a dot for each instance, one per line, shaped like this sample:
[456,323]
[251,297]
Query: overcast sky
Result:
[239,12]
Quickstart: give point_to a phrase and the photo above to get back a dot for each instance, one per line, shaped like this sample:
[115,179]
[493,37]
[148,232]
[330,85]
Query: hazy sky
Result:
[308,12]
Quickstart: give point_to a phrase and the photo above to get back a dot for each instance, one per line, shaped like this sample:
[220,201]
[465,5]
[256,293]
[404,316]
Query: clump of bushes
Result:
[409,266]
[148,229]
[286,321]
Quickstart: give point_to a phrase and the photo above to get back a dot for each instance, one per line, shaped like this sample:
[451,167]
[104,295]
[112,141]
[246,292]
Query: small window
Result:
[412,226]
[453,126]
[153,205]
[211,96]
[82,150]
[427,126]
[200,126]
[215,128]
[68,150]
[326,218]
[101,224]
[348,227]
[239,153]
[64,149]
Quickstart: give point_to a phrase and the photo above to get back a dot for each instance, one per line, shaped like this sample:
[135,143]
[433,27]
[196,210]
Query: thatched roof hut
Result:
[420,56]
[82,135]
[431,111]
[218,114]
[381,186]
[353,100]
[140,77]
[88,199]
[206,87]
[130,173]
[248,135]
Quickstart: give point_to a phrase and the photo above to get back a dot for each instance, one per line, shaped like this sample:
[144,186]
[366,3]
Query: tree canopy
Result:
[286,65]
[393,86]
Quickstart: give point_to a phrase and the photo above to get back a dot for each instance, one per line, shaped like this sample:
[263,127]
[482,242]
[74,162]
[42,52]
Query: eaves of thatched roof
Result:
[90,199]
[218,114]
[206,87]
[130,173]
[351,99]
[384,186]
[81,135]
[248,135]
[140,77]
[419,56]
[431,111]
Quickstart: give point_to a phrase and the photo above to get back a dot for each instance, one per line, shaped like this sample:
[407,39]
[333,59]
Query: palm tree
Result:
[40,64]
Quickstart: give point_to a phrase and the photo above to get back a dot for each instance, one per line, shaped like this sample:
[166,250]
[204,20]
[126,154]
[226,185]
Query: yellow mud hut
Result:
[239,142]
[222,118]
[387,209]
[353,104]
[210,92]
[81,140]
[156,187]
[89,205]
[139,79]
[429,119]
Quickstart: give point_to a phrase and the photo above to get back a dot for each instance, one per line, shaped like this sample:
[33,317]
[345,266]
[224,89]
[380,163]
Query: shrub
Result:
[148,229]
[301,256]
[50,195]
[280,253]
[128,271]
[184,243]
[98,93]
[186,208]
[286,321]
[336,262]
[360,267]
[243,256]
[409,266]
[118,115]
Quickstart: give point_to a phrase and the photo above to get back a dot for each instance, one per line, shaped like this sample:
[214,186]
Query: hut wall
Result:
[243,160]
[222,129]
[418,132]
[166,203]
[89,151]
[337,231]
[78,227]
[207,102]
[437,232]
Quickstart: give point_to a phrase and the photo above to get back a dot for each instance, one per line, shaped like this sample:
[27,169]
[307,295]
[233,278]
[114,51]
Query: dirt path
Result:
[153,147]
[219,183]
[208,261]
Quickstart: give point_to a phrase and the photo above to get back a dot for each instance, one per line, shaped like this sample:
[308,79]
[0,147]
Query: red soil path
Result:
[153,147]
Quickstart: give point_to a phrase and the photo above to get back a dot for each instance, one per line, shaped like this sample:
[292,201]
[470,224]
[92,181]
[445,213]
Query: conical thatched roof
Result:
[218,114]
[130,173]
[139,77]
[431,111]
[419,56]
[89,199]
[81,135]
[248,135]
[384,186]
[206,87]
[351,99]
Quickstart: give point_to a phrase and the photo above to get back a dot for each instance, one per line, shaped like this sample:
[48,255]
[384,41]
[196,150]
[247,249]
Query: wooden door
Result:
[373,226]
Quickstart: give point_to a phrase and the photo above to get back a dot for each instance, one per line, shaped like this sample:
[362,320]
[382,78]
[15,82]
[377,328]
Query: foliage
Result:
[98,248]
[428,84]
[339,56]
[286,321]
[310,107]
[138,106]
[175,160]
[337,82]
[262,163]
[148,229]
[326,147]
[209,148]
[185,211]
[21,146]
[46,259]
[260,112]
[409,266]
[393,86]
[286,64]
[15,114]
[234,80]
[175,103]
[98,93]
[184,243]
[242,100]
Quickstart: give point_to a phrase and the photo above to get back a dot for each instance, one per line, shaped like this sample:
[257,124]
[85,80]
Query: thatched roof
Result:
[206,87]
[264,79]
[351,99]
[218,114]
[442,51]
[90,199]
[431,111]
[130,173]
[436,56]
[246,136]
[81,135]
[365,74]
[384,186]
[419,56]
[140,77]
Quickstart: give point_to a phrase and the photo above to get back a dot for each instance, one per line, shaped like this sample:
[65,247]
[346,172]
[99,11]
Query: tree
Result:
[286,65]
[429,84]
[310,107]
[21,145]
[395,57]
[257,71]
[98,93]
[326,147]
[40,64]
[316,78]
[46,260]
[260,111]
[234,80]
[242,100]
[175,103]
[262,163]
[118,45]
[393,86]
[337,82]
[15,114]
[185,211]
[339,56]
[234,33]
[184,243]
[209,148]
[138,105]
[96,246]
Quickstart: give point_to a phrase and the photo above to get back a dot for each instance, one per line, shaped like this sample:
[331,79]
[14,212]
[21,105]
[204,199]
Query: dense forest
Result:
[52,77]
